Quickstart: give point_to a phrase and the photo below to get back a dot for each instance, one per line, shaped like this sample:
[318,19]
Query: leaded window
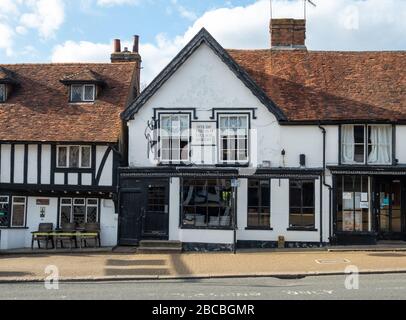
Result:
[74,157]
[79,210]
[4,211]
[233,138]
[82,93]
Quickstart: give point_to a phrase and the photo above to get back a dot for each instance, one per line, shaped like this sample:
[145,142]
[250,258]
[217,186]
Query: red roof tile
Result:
[39,109]
[329,86]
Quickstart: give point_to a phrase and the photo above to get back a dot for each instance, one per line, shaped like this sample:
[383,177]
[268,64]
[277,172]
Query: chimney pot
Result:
[136,44]
[117,45]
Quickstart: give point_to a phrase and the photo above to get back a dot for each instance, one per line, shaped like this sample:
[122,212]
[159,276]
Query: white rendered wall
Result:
[401,144]
[46,164]
[19,163]
[12,239]
[32,164]
[5,163]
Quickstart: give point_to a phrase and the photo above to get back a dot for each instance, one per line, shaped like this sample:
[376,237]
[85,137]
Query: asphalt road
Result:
[391,286]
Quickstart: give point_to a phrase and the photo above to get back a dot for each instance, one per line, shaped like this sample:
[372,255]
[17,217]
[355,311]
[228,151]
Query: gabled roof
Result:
[202,37]
[312,86]
[83,76]
[7,77]
[39,109]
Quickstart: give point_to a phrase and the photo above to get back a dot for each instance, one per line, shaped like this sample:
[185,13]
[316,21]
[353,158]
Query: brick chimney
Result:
[288,33]
[126,56]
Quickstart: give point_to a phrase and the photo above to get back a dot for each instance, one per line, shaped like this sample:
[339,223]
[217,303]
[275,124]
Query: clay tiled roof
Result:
[85,75]
[39,109]
[330,86]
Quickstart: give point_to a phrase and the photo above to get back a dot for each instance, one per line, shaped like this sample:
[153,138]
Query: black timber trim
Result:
[394,160]
[215,111]
[370,170]
[12,159]
[39,163]
[202,37]
[26,149]
[94,150]
[42,189]
[102,165]
[53,163]
[175,111]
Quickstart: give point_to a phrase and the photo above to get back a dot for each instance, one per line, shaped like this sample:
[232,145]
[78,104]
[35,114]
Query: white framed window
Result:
[366,144]
[3,93]
[82,93]
[18,210]
[74,157]
[233,137]
[174,138]
[79,210]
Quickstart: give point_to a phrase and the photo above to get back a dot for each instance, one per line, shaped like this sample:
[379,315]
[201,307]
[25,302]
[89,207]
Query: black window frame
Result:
[299,185]
[260,205]
[366,144]
[207,226]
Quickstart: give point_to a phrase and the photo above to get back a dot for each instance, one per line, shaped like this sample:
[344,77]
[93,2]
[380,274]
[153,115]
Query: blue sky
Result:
[83,30]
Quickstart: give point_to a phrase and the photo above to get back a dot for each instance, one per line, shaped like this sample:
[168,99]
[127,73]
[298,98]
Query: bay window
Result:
[174,138]
[366,144]
[233,138]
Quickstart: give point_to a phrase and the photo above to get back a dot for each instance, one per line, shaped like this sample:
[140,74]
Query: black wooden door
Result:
[130,219]
[155,222]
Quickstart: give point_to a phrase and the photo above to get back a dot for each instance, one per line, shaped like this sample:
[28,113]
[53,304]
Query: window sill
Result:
[14,228]
[206,228]
[302,229]
[259,228]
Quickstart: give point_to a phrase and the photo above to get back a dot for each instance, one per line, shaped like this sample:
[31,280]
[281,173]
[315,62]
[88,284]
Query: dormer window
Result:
[3,93]
[82,93]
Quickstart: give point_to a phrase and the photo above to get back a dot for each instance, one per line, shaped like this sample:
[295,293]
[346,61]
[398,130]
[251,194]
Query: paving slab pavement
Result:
[110,266]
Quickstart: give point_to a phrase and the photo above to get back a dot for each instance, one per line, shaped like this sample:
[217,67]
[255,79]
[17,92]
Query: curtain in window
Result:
[381,140]
[348,144]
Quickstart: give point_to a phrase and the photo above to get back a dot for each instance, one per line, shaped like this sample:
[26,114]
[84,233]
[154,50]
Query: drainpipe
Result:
[330,188]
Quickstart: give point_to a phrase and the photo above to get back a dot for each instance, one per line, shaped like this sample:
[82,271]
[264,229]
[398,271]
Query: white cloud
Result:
[109,3]
[183,11]
[332,25]
[6,42]
[45,15]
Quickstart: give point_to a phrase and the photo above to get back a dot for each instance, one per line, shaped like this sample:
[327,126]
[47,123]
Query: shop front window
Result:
[353,204]
[207,203]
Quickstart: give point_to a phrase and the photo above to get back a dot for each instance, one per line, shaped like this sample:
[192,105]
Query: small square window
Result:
[82,93]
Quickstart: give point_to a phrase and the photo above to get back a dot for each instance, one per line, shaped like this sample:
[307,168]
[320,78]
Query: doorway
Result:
[144,212]
[390,208]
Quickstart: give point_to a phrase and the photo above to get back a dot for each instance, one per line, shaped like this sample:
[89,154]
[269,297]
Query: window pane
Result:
[65,214]
[66,201]
[76,93]
[4,211]
[359,134]
[2,93]
[79,214]
[93,202]
[18,212]
[86,151]
[89,93]
[74,157]
[295,196]
[91,214]
[62,156]
[265,194]
[359,153]
[308,194]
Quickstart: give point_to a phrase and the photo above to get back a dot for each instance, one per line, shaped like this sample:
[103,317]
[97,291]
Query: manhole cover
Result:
[332,261]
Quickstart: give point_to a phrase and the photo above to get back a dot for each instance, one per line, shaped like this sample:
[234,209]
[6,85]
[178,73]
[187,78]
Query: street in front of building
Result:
[309,288]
